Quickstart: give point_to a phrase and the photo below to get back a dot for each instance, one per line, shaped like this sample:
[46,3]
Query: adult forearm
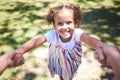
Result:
[113,59]
[3,63]
[3,66]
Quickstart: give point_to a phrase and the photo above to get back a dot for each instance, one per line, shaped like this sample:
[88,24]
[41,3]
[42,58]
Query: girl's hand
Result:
[100,55]
[13,59]
[18,60]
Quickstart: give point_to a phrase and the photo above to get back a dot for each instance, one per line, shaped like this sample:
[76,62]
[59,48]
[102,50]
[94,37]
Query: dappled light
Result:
[104,23]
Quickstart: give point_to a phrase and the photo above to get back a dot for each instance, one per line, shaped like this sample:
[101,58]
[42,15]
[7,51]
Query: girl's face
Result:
[64,24]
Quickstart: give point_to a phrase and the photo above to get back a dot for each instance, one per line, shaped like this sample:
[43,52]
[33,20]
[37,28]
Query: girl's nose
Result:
[65,26]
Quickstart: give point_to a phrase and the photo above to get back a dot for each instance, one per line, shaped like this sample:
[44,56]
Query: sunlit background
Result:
[21,20]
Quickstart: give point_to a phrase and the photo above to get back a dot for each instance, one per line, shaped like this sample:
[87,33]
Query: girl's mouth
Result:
[65,32]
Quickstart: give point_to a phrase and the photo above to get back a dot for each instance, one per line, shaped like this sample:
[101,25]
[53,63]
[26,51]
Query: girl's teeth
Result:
[65,32]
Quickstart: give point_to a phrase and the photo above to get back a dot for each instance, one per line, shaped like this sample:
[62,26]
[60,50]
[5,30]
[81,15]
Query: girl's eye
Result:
[60,24]
[69,22]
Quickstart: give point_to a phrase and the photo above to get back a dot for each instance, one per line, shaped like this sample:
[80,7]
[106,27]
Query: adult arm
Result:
[6,61]
[113,58]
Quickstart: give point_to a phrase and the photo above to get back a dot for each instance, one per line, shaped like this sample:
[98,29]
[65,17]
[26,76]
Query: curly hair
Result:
[76,11]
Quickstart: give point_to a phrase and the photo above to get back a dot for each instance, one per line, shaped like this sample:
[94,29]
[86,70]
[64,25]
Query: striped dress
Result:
[64,62]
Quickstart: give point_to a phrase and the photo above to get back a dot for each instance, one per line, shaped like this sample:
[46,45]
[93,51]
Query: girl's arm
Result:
[94,43]
[18,59]
[30,45]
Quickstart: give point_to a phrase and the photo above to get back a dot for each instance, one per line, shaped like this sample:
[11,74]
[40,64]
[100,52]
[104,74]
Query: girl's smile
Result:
[64,24]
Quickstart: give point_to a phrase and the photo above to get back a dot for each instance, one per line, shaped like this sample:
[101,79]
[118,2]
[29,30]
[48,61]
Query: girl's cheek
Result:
[59,26]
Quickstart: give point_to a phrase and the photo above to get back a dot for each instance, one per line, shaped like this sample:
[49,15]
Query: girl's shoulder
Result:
[50,35]
[78,32]
[50,32]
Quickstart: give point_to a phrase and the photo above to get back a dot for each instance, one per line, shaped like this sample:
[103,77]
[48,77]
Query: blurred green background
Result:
[21,20]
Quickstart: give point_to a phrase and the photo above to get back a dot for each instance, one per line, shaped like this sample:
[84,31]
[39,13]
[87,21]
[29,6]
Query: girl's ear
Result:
[76,24]
[54,25]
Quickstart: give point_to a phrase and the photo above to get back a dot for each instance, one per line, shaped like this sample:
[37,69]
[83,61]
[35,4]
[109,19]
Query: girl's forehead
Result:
[64,15]
[64,11]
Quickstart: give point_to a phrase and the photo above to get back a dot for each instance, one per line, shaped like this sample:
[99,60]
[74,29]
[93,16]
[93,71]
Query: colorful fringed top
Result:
[64,58]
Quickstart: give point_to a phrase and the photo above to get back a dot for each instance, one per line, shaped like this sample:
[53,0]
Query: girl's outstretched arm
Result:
[30,45]
[94,43]
[26,47]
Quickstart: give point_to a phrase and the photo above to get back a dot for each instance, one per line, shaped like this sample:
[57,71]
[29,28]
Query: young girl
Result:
[65,39]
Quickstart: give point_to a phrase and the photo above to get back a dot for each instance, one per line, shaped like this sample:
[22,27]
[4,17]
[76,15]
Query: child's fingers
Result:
[100,56]
[99,53]
[96,56]
[15,61]
[18,60]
